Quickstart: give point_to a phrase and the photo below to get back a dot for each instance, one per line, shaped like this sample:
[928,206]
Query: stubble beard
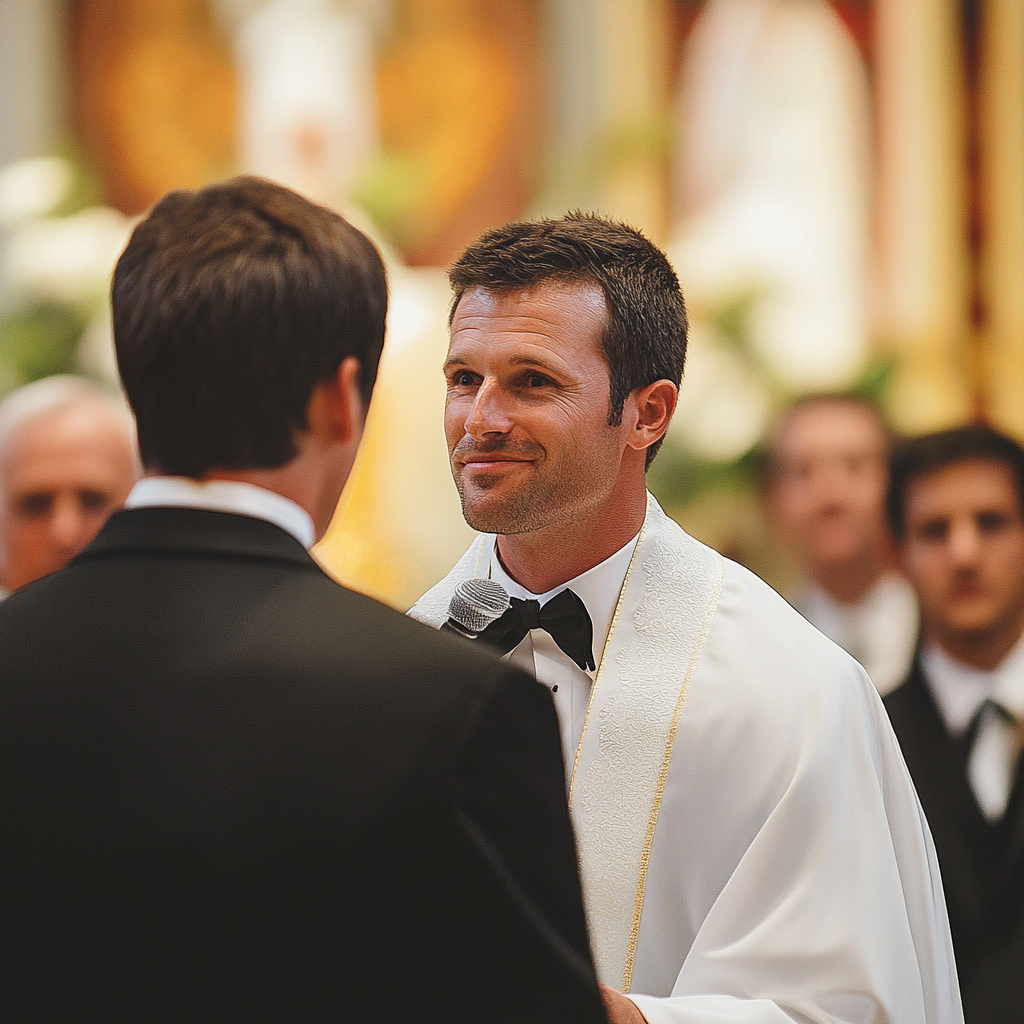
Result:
[524,510]
[553,497]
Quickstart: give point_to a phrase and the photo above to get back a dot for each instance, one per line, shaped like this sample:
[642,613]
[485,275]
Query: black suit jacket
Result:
[982,865]
[232,790]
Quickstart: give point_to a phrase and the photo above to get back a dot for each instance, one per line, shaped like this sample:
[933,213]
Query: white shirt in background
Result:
[880,630]
[960,691]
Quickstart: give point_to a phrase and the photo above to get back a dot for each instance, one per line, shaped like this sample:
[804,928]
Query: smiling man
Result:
[751,846]
[956,503]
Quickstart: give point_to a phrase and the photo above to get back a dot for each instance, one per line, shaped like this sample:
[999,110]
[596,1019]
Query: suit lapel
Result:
[938,764]
[1008,866]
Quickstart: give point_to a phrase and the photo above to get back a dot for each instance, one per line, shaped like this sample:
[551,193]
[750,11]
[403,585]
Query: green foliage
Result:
[38,340]
[677,477]
[40,337]
[86,187]
[389,190]
[875,380]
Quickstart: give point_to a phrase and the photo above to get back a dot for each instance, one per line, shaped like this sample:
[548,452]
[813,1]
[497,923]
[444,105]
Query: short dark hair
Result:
[920,456]
[644,339]
[231,303]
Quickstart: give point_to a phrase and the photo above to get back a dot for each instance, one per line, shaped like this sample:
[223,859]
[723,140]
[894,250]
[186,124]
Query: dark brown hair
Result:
[644,339]
[920,456]
[231,304]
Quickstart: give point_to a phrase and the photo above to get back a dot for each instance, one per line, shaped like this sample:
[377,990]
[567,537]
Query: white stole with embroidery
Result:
[661,622]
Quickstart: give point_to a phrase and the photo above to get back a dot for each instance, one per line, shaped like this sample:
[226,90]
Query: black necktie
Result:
[565,617]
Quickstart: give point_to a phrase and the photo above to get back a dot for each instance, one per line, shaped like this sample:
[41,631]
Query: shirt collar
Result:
[960,689]
[224,496]
[598,587]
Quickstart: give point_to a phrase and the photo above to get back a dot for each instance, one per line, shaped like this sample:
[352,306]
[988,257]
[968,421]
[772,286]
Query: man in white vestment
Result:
[827,475]
[751,846]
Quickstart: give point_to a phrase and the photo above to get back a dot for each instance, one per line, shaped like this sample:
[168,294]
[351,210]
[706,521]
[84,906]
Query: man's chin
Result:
[492,513]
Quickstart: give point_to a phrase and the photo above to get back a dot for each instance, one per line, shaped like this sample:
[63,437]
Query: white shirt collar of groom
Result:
[224,496]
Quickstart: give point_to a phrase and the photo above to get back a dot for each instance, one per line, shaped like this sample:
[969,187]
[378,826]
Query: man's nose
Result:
[490,413]
[69,525]
[833,480]
[964,542]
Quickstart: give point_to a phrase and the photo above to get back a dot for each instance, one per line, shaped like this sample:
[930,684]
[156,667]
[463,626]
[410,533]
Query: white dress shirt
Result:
[224,496]
[598,588]
[959,691]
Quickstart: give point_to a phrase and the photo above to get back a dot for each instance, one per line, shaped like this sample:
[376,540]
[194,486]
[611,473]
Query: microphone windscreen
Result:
[476,604]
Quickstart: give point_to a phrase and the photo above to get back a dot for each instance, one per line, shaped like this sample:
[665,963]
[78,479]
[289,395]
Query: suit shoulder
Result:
[900,698]
[906,704]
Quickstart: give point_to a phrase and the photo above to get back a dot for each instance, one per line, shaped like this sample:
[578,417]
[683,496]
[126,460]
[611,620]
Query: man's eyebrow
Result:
[515,361]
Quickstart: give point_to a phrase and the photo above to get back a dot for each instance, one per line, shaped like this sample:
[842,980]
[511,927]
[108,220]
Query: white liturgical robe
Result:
[751,846]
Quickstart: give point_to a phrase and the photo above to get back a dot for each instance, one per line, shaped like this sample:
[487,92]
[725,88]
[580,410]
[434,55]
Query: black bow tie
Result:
[565,617]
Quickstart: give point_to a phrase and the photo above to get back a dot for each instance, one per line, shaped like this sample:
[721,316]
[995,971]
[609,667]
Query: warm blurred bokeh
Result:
[840,185]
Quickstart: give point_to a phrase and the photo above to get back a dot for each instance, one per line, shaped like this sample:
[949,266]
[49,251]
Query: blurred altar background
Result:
[839,184]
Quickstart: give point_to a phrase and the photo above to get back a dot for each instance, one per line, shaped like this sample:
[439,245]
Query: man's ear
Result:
[652,407]
[336,412]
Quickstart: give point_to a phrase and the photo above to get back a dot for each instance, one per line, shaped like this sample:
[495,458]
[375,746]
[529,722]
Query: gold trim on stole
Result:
[645,856]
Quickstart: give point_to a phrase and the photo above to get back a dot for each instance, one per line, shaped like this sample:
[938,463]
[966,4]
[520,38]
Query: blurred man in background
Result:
[827,473]
[956,503]
[67,461]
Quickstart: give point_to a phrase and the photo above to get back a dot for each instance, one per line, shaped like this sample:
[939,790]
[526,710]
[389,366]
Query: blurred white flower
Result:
[774,187]
[723,407]
[33,188]
[67,259]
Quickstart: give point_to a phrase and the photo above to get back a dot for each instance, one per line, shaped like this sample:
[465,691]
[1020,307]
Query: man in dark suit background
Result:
[956,503]
[231,789]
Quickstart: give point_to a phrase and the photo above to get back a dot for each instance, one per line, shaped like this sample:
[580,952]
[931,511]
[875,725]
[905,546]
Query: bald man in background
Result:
[67,461]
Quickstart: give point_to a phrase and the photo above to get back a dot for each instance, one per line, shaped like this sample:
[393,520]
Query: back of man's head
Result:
[231,304]
[67,460]
[922,456]
[645,336]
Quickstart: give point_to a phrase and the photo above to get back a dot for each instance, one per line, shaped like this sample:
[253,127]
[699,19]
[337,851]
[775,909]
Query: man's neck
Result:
[309,481]
[544,559]
[850,582]
[985,651]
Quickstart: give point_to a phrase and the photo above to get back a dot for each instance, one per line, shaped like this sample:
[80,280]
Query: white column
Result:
[32,77]
[606,84]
